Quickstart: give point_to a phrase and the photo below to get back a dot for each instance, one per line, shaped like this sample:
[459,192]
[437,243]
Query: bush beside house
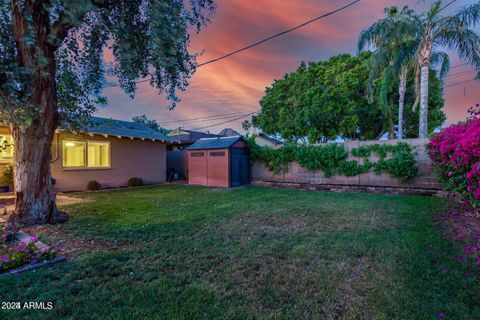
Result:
[93,185]
[135,182]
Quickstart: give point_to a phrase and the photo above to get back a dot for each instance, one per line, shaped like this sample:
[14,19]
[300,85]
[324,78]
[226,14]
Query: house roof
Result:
[214,143]
[267,138]
[121,128]
[190,136]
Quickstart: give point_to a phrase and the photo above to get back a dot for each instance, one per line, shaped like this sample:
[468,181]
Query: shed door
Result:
[239,167]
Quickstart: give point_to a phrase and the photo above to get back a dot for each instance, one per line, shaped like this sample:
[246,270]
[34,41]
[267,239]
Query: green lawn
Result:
[183,252]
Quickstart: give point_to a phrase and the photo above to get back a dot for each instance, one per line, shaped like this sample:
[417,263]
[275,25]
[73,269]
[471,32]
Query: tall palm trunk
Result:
[423,124]
[425,54]
[401,100]
[35,197]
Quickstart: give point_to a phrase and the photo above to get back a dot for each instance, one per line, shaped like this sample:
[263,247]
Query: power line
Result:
[460,82]
[220,123]
[458,73]
[459,65]
[447,5]
[226,115]
[280,33]
[261,41]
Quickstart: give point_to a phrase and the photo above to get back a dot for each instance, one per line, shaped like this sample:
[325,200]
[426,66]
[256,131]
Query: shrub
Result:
[402,166]
[93,185]
[455,153]
[326,158]
[135,182]
[7,176]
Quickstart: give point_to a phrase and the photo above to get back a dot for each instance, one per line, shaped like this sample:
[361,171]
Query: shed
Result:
[219,162]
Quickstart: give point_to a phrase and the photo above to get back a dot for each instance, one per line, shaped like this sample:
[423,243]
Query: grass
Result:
[179,252]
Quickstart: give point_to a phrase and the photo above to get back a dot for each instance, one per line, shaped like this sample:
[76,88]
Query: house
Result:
[266,141]
[109,151]
[218,162]
[229,132]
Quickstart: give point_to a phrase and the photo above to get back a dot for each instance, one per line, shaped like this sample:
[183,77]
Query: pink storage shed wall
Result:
[209,170]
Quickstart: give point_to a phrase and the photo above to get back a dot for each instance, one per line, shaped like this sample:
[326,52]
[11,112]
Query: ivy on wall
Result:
[333,159]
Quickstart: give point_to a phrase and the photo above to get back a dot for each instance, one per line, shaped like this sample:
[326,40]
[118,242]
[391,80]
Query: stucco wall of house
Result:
[145,159]
[128,158]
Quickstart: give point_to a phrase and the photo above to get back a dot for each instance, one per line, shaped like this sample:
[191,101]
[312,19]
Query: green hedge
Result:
[332,159]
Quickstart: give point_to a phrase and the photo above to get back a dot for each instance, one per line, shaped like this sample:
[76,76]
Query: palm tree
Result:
[396,40]
[452,32]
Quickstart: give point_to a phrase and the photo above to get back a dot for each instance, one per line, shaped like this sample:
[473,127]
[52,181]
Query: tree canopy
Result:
[150,123]
[328,99]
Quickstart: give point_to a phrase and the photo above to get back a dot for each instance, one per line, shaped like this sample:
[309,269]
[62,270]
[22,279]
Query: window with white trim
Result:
[88,154]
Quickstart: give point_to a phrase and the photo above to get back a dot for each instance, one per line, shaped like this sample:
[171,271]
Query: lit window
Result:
[6,148]
[91,154]
[98,154]
[74,153]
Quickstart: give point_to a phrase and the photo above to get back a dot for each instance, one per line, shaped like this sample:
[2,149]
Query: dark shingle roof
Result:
[123,129]
[214,143]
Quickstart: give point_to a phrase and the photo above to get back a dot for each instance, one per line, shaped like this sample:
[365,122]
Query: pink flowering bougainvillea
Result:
[455,153]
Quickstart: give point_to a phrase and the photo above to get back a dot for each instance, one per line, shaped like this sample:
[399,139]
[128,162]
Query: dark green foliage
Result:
[353,168]
[402,165]
[93,185]
[332,158]
[325,158]
[326,99]
[135,182]
[151,123]
[381,149]
[278,159]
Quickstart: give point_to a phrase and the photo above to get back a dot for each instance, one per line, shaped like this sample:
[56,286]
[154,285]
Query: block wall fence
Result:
[301,178]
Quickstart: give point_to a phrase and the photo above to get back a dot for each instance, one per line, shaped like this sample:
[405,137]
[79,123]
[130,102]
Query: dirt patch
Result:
[64,200]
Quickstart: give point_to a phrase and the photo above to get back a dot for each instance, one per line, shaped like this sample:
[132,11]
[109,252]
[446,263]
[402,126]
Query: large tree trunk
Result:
[35,197]
[423,124]
[401,102]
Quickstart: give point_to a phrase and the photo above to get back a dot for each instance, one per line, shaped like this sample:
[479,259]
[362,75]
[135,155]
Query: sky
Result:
[233,87]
